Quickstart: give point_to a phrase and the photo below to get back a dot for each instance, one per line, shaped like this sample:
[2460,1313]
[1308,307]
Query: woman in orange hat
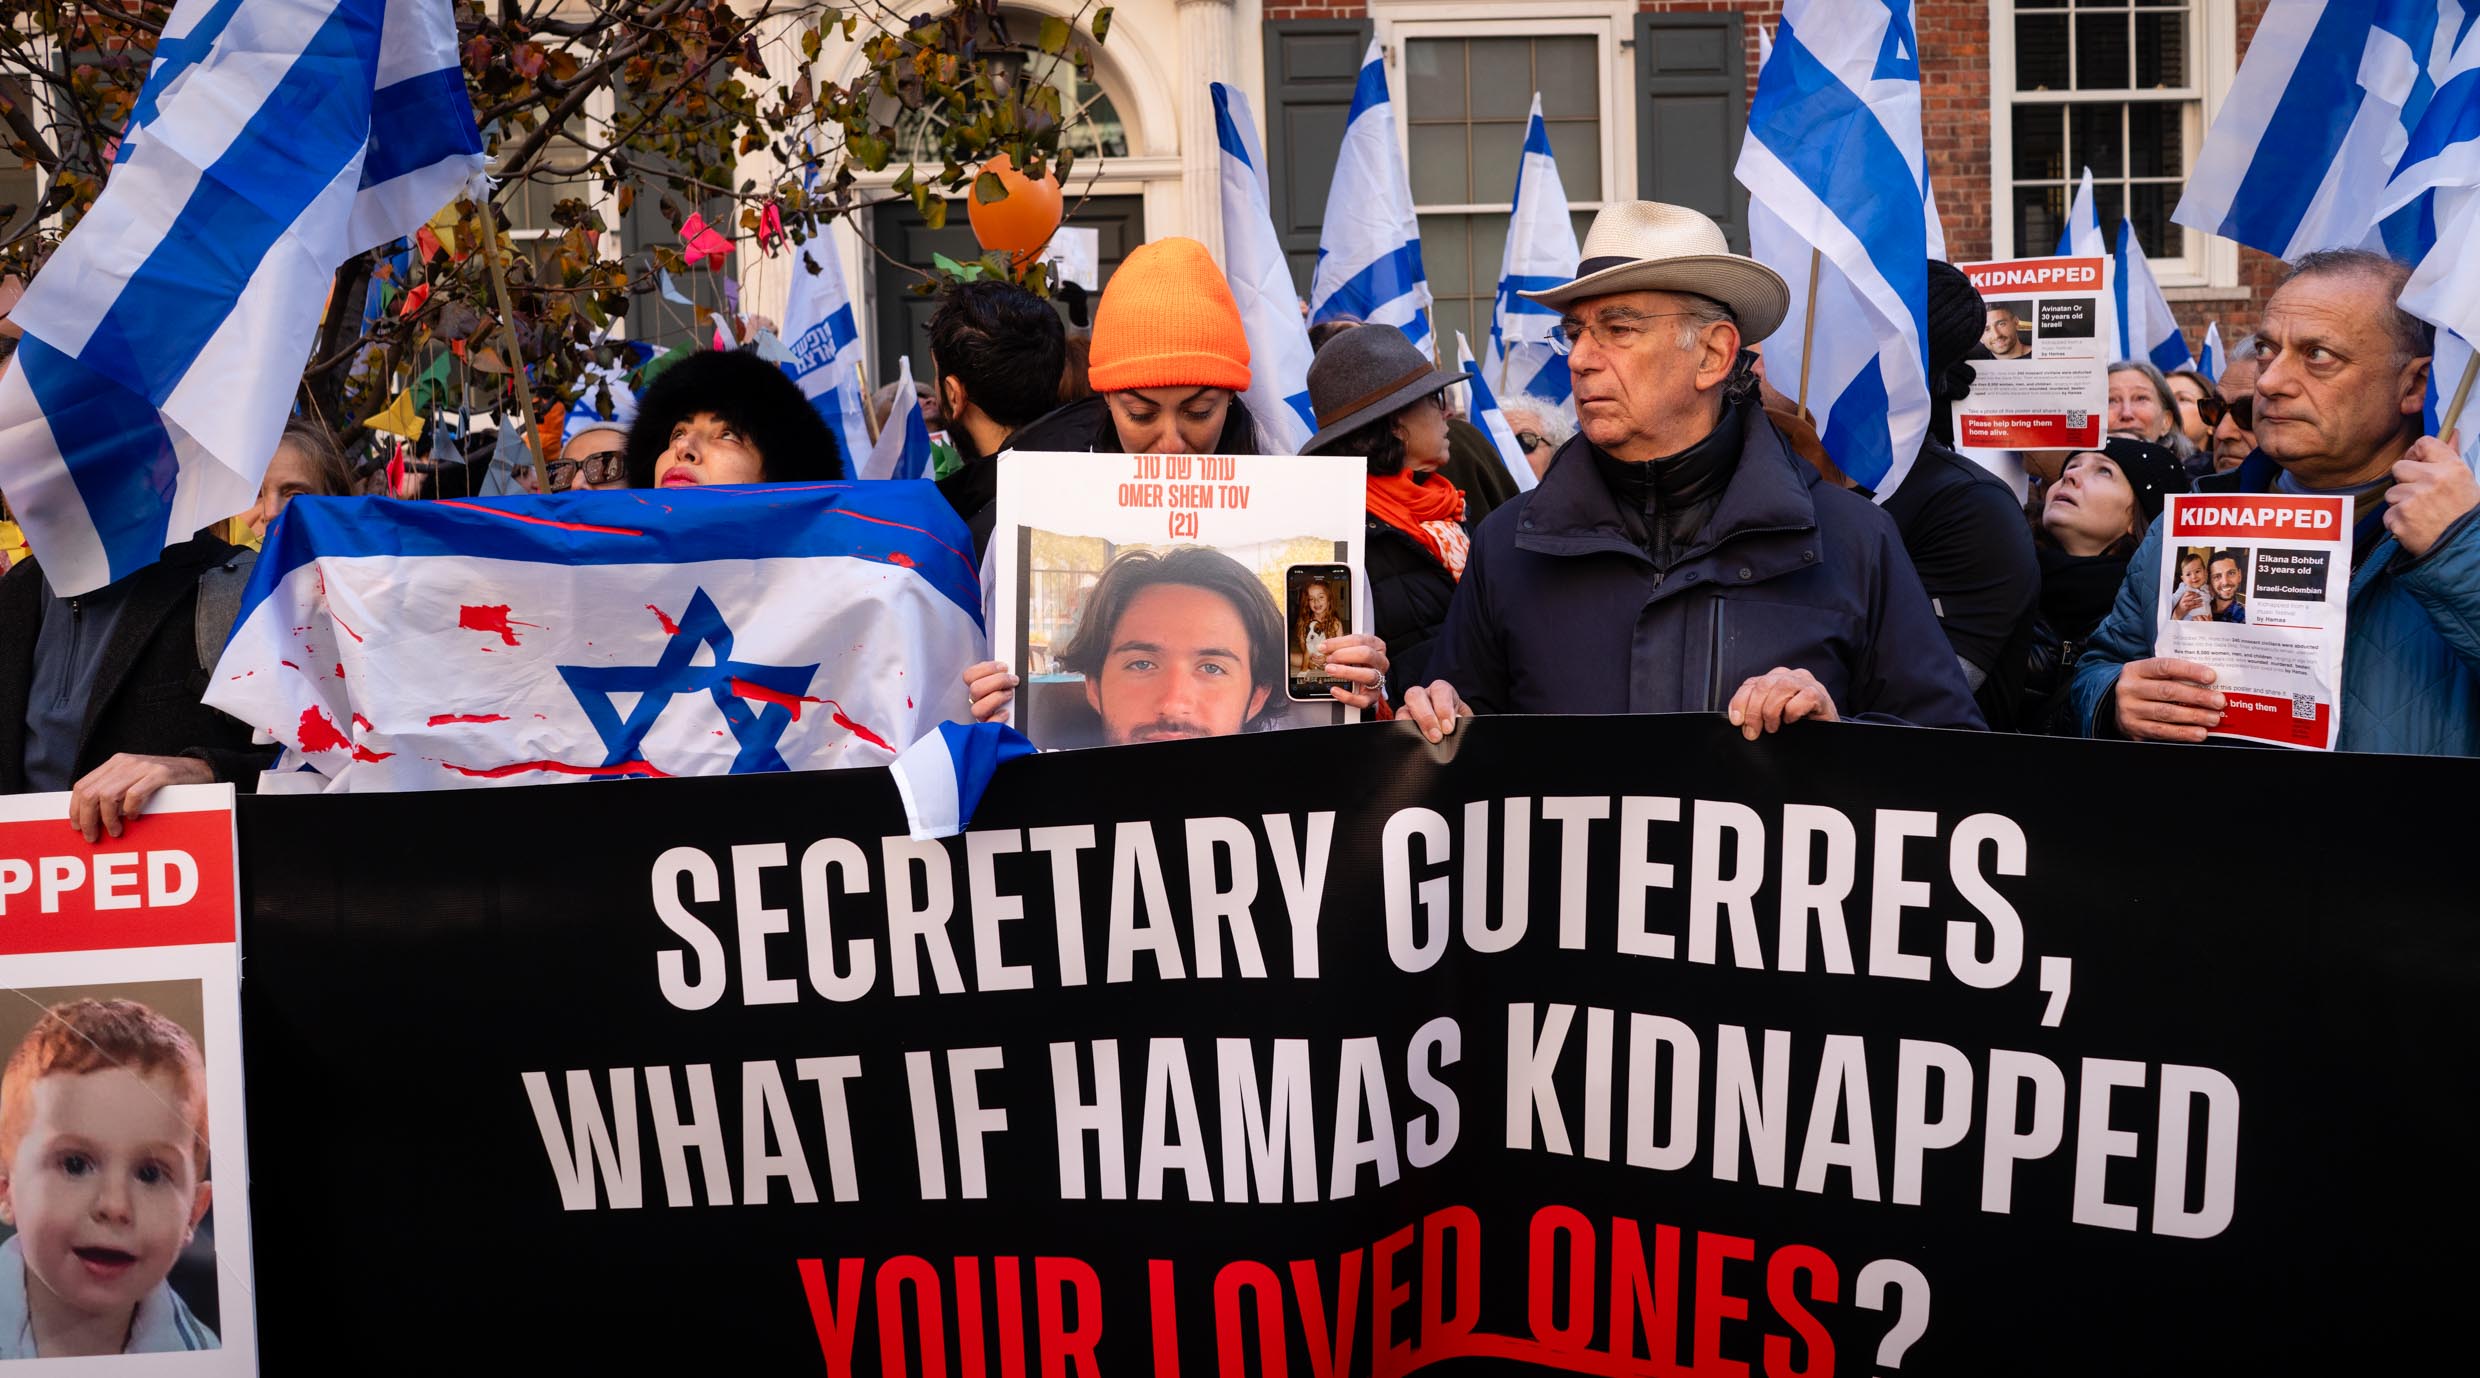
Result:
[1168,363]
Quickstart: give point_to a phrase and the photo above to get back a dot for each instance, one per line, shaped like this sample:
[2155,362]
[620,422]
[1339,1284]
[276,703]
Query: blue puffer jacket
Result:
[2411,649]
[1560,611]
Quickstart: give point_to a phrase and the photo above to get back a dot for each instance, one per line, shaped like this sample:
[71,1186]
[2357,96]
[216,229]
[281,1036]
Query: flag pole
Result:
[516,352]
[869,413]
[2462,394]
[1808,327]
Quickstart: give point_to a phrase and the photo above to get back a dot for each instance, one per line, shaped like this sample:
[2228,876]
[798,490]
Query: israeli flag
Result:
[2081,237]
[1492,421]
[2320,115]
[903,446]
[1369,251]
[2209,359]
[449,644]
[1261,282]
[942,776]
[1834,155]
[271,142]
[2146,327]
[1541,254]
[2439,178]
[825,342]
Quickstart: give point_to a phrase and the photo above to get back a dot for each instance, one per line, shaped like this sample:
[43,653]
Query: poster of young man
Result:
[2047,386]
[2258,586]
[120,1046]
[1155,597]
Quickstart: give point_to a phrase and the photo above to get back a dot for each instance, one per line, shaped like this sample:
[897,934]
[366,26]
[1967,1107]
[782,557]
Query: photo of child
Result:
[103,1174]
[1320,618]
[2194,595]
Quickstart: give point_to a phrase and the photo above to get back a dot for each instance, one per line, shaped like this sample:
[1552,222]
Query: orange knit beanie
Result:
[1167,320]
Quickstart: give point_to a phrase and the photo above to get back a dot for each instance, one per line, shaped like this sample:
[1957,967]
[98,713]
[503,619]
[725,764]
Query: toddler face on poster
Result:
[103,1142]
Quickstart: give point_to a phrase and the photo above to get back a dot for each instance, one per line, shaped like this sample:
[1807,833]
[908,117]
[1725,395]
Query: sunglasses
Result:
[611,466]
[2242,413]
[1529,441]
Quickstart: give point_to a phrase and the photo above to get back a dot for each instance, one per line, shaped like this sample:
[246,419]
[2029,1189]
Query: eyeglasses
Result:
[611,466]
[2242,413]
[1620,332]
[1529,441]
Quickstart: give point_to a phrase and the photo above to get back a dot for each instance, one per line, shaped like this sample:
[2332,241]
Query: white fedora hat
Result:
[1649,246]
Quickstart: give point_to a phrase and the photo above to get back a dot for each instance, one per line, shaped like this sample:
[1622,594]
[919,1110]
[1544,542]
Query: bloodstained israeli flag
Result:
[692,631]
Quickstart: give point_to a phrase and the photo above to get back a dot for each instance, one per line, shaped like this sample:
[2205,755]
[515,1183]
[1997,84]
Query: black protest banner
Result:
[1611,1046]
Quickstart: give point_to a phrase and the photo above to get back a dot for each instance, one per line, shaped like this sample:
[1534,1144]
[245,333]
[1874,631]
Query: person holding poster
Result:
[1378,398]
[2338,406]
[1677,557]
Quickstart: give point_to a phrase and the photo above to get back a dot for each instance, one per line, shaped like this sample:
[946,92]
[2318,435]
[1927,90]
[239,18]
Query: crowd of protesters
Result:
[1690,545]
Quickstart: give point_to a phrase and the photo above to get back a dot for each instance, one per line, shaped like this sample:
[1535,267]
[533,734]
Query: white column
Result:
[1206,56]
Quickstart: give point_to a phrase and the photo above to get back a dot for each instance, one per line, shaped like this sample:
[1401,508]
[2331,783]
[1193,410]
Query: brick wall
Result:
[1318,9]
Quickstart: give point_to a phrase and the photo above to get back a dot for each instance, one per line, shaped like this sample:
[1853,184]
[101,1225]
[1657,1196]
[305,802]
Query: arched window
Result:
[1093,125]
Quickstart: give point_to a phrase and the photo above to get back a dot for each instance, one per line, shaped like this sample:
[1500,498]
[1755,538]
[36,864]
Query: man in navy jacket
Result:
[1677,556]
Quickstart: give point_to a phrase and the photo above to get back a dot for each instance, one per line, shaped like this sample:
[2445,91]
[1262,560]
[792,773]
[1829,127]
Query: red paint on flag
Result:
[443,719]
[857,729]
[587,527]
[288,665]
[361,723]
[492,618]
[759,693]
[670,628]
[363,753]
[555,768]
[898,557]
[318,732]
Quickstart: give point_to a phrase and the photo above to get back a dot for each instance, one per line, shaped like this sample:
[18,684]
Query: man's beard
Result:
[1167,730]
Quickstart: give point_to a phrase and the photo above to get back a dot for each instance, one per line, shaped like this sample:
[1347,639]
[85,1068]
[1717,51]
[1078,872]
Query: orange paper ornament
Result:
[1022,223]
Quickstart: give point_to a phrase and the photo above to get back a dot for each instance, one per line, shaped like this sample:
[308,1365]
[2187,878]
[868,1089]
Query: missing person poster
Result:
[2256,587]
[2048,386]
[120,1094]
[1152,597]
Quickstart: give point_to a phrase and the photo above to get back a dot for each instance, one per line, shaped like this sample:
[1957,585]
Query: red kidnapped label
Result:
[2256,518]
[166,881]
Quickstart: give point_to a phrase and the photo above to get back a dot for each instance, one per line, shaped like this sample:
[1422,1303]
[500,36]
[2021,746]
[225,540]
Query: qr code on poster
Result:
[2075,420]
[2303,706]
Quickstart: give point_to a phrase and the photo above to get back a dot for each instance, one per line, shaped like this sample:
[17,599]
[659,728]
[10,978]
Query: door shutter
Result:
[1311,67]
[1692,81]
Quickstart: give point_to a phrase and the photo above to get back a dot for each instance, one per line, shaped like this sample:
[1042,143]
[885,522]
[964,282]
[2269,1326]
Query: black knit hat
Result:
[1956,317]
[2152,471]
[792,439]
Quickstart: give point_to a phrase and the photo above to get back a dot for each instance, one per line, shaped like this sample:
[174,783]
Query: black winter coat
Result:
[1964,531]
[1560,611]
[1409,593]
[147,690]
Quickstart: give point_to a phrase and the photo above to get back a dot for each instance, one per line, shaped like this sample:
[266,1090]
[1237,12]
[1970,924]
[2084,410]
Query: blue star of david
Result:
[173,56]
[756,728]
[1898,56]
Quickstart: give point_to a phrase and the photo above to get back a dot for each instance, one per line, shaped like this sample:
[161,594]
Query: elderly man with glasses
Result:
[1677,557]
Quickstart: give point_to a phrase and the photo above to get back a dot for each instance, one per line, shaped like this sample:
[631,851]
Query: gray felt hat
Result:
[1366,374]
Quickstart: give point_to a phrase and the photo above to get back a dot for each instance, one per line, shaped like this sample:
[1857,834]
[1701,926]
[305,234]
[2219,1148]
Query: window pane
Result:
[1569,71]
[2157,139]
[1446,255]
[1435,89]
[2095,141]
[2041,53]
[1501,80]
[1438,164]
[2161,49]
[1496,149]
[2039,211]
[2109,202]
[2150,206]
[2040,143]
[1489,253]
[2101,51]
[1578,147]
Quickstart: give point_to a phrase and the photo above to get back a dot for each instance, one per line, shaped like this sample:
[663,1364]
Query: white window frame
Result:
[2211,268]
[1395,22]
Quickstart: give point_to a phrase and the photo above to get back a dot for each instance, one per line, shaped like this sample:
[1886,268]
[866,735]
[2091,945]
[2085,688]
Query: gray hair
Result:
[2413,338]
[1701,312]
[2247,349]
[1550,423]
[2176,441]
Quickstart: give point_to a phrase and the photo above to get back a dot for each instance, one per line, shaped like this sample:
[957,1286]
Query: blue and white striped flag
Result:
[942,776]
[2316,122]
[825,342]
[1834,154]
[1492,421]
[1541,254]
[2146,327]
[903,448]
[2439,177]
[454,644]
[2081,237]
[1261,282]
[2209,359]
[1369,250]
[272,141]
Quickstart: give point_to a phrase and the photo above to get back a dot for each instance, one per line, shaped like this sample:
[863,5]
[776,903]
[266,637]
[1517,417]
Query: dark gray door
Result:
[1311,67]
[903,316]
[1692,108]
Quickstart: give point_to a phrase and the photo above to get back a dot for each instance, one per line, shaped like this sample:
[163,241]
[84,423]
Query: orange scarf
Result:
[1431,513]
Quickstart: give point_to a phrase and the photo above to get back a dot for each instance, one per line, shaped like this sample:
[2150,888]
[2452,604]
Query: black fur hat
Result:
[791,437]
